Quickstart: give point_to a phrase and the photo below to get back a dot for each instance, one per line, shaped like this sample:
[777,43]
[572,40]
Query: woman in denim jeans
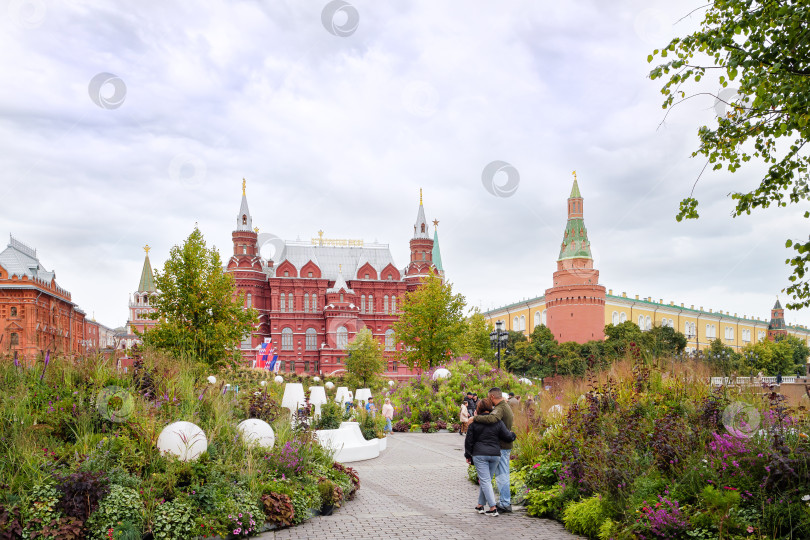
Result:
[482,448]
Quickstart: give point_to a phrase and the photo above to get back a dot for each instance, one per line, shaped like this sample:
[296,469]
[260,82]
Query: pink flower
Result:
[750,529]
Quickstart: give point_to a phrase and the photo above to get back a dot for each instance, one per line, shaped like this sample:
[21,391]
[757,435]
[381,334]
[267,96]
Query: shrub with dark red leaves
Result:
[81,493]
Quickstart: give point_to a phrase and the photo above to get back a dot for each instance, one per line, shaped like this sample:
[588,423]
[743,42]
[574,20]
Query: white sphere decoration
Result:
[212,379]
[279,379]
[390,383]
[329,385]
[441,373]
[182,439]
[316,379]
[257,432]
[263,383]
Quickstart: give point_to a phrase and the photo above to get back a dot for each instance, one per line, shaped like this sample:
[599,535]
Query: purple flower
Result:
[47,361]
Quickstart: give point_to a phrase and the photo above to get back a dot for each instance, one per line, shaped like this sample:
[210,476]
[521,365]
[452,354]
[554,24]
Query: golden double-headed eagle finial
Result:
[575,175]
[146,248]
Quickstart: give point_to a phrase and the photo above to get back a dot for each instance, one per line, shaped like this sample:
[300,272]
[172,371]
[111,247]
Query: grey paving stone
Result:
[418,488]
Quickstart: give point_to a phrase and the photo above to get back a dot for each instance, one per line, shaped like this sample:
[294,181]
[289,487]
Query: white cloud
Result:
[340,133]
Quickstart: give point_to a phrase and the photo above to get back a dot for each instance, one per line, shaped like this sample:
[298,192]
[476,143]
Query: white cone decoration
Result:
[390,383]
[294,397]
[343,395]
[212,379]
[279,379]
[317,397]
[263,383]
[363,394]
[182,439]
[316,379]
[524,380]
[257,432]
[329,385]
[441,373]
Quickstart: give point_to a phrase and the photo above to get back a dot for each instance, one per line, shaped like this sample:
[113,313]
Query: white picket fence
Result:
[748,381]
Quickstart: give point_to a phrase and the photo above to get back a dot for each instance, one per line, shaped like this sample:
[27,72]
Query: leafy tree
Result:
[723,359]
[196,309]
[571,361]
[620,336]
[475,339]
[785,356]
[365,359]
[664,341]
[431,324]
[799,351]
[760,52]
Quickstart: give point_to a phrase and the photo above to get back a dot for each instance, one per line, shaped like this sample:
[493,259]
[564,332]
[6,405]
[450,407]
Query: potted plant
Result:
[331,496]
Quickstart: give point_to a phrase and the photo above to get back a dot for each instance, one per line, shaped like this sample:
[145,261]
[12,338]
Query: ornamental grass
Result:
[648,450]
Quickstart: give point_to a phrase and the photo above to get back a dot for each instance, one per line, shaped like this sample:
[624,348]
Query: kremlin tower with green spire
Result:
[575,303]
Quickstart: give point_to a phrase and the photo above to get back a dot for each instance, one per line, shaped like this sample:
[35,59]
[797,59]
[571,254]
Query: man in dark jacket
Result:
[482,448]
[503,412]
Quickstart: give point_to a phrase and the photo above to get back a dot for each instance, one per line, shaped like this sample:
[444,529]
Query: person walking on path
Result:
[463,417]
[371,407]
[482,448]
[501,412]
[388,413]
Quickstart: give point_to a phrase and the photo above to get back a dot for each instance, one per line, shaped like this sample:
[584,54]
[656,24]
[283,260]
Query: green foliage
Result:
[723,358]
[174,520]
[543,475]
[331,416]
[431,324]
[585,516]
[759,53]
[121,505]
[775,357]
[474,342]
[365,359]
[545,502]
[196,309]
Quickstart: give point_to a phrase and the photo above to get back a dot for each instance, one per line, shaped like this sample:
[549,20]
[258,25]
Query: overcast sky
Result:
[337,119]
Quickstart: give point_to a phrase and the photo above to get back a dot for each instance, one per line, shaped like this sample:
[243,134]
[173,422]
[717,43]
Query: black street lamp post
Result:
[498,337]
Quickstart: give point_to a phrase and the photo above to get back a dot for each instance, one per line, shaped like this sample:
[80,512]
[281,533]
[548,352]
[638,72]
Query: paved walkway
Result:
[418,488]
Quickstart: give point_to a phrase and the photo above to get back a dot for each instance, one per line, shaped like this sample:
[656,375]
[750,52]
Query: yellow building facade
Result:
[700,326]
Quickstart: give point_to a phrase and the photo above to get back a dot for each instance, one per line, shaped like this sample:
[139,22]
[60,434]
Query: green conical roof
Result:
[575,191]
[575,244]
[147,283]
[437,254]
[777,305]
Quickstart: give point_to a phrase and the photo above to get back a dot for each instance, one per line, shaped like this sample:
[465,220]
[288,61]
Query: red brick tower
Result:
[777,328]
[246,266]
[421,264]
[576,303]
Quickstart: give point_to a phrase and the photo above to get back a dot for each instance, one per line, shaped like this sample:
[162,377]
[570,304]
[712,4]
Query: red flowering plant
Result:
[662,519]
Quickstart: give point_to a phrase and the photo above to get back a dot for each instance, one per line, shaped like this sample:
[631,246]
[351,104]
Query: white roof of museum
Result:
[331,259]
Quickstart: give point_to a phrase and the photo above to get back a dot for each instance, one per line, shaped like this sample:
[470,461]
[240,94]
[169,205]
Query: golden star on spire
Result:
[256,230]
[146,248]
[435,222]
[244,185]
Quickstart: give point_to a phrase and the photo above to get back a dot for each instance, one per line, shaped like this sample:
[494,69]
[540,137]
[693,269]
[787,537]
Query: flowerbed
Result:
[656,453]
[78,463]
[424,405]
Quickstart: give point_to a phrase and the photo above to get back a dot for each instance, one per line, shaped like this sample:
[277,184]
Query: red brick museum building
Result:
[313,297]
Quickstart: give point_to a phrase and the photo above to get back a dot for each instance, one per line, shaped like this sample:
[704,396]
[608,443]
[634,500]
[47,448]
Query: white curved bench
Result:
[348,443]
